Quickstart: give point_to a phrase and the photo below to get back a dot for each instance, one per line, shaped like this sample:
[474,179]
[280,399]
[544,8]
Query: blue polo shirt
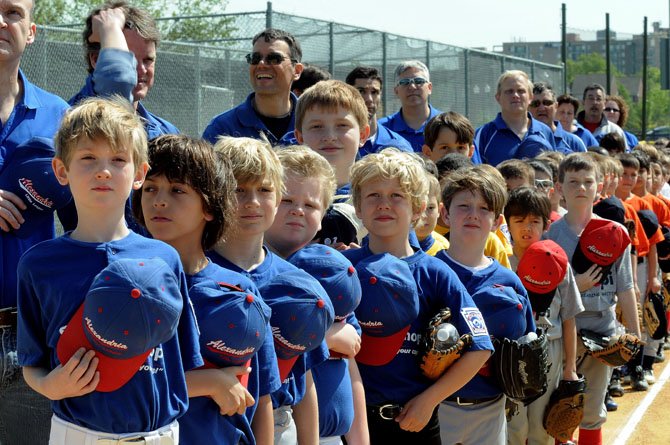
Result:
[566,142]
[384,138]
[585,135]
[116,73]
[396,123]
[243,121]
[38,113]
[495,142]
[631,139]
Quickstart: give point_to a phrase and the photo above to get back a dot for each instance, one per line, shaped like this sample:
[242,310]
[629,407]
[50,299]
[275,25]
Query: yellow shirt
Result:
[495,247]
[439,243]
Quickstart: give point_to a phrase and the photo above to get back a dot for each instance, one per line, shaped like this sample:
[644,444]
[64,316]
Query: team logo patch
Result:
[475,321]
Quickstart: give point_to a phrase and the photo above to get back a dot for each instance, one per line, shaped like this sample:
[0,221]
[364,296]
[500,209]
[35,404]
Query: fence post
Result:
[428,54]
[466,81]
[331,49]
[198,90]
[384,76]
[268,16]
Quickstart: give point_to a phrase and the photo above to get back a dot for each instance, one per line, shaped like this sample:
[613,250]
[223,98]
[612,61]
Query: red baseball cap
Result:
[602,242]
[541,269]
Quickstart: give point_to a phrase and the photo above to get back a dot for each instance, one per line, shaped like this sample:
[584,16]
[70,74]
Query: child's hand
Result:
[10,211]
[588,279]
[343,338]
[415,414]
[229,394]
[570,374]
[654,285]
[76,378]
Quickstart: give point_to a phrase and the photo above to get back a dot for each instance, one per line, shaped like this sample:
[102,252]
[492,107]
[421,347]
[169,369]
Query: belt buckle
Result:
[459,403]
[395,410]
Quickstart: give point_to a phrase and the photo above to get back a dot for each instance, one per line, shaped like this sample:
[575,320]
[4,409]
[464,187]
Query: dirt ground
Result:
[653,427]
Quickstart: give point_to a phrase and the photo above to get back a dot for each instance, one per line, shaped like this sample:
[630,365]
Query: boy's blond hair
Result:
[391,163]
[111,119]
[476,179]
[510,74]
[253,161]
[434,188]
[517,169]
[331,95]
[303,162]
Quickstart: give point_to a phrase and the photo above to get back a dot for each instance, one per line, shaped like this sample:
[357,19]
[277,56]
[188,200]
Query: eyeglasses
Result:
[544,184]
[270,59]
[612,110]
[418,81]
[546,102]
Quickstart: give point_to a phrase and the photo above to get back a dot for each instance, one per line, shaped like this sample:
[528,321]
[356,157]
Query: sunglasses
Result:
[418,81]
[270,59]
[544,184]
[612,110]
[546,102]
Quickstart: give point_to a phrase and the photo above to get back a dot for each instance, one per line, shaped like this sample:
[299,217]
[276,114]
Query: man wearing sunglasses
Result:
[543,108]
[413,88]
[269,112]
[514,133]
[593,117]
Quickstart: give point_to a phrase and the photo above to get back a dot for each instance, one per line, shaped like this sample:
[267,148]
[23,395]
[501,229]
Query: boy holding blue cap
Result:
[389,192]
[101,153]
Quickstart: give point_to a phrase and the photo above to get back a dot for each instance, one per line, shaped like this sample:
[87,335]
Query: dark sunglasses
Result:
[270,59]
[612,110]
[418,81]
[546,102]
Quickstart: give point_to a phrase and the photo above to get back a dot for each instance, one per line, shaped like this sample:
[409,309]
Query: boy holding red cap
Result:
[101,153]
[544,270]
[389,192]
[600,255]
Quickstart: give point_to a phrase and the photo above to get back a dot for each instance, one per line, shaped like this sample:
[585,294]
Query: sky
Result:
[474,23]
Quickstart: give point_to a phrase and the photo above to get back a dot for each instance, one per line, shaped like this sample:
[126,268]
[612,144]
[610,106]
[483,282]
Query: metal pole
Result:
[268,16]
[466,68]
[644,80]
[607,53]
[384,76]
[564,48]
[331,49]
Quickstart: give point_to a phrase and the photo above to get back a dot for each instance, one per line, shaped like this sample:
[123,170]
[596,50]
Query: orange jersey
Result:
[659,208]
[640,204]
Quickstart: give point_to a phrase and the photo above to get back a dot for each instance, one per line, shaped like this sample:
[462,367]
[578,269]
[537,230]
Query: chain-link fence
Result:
[196,81]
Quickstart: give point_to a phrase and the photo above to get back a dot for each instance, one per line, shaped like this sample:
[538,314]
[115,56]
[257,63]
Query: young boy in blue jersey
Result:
[101,154]
[389,192]
[259,177]
[331,119]
[309,183]
[579,182]
[188,201]
[544,271]
[473,200]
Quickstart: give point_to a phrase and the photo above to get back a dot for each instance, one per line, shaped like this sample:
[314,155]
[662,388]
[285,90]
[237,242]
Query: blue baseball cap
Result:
[29,175]
[335,273]
[132,306]
[389,305]
[503,310]
[301,315]
[232,324]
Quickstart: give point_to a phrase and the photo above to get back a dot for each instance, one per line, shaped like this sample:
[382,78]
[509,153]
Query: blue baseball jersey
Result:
[54,278]
[566,142]
[396,123]
[37,113]
[292,390]
[503,301]
[495,142]
[243,121]
[585,135]
[203,422]
[631,139]
[401,379]
[384,138]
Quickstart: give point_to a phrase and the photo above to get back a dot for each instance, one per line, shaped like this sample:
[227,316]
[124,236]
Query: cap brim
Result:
[378,351]
[539,303]
[114,372]
[285,366]
[579,262]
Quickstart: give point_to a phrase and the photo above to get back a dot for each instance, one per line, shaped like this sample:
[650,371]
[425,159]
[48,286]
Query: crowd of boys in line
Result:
[324,240]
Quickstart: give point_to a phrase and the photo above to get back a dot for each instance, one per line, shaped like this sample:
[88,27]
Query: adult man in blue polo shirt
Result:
[269,112]
[26,111]
[120,45]
[513,134]
[543,108]
[413,88]
[368,82]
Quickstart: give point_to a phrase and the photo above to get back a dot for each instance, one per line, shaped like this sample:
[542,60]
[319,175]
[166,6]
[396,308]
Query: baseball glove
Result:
[436,356]
[653,316]
[521,368]
[615,351]
[565,409]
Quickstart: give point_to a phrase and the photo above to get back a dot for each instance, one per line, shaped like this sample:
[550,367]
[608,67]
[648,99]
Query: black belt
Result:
[8,317]
[388,411]
[463,401]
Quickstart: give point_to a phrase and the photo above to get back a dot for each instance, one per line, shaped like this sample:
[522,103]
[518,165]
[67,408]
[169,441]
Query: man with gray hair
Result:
[592,117]
[413,88]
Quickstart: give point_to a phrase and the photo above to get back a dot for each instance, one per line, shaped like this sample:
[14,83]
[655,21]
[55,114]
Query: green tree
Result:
[592,63]
[180,20]
[658,104]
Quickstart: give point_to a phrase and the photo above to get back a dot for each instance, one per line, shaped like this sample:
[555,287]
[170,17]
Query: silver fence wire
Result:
[196,79]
